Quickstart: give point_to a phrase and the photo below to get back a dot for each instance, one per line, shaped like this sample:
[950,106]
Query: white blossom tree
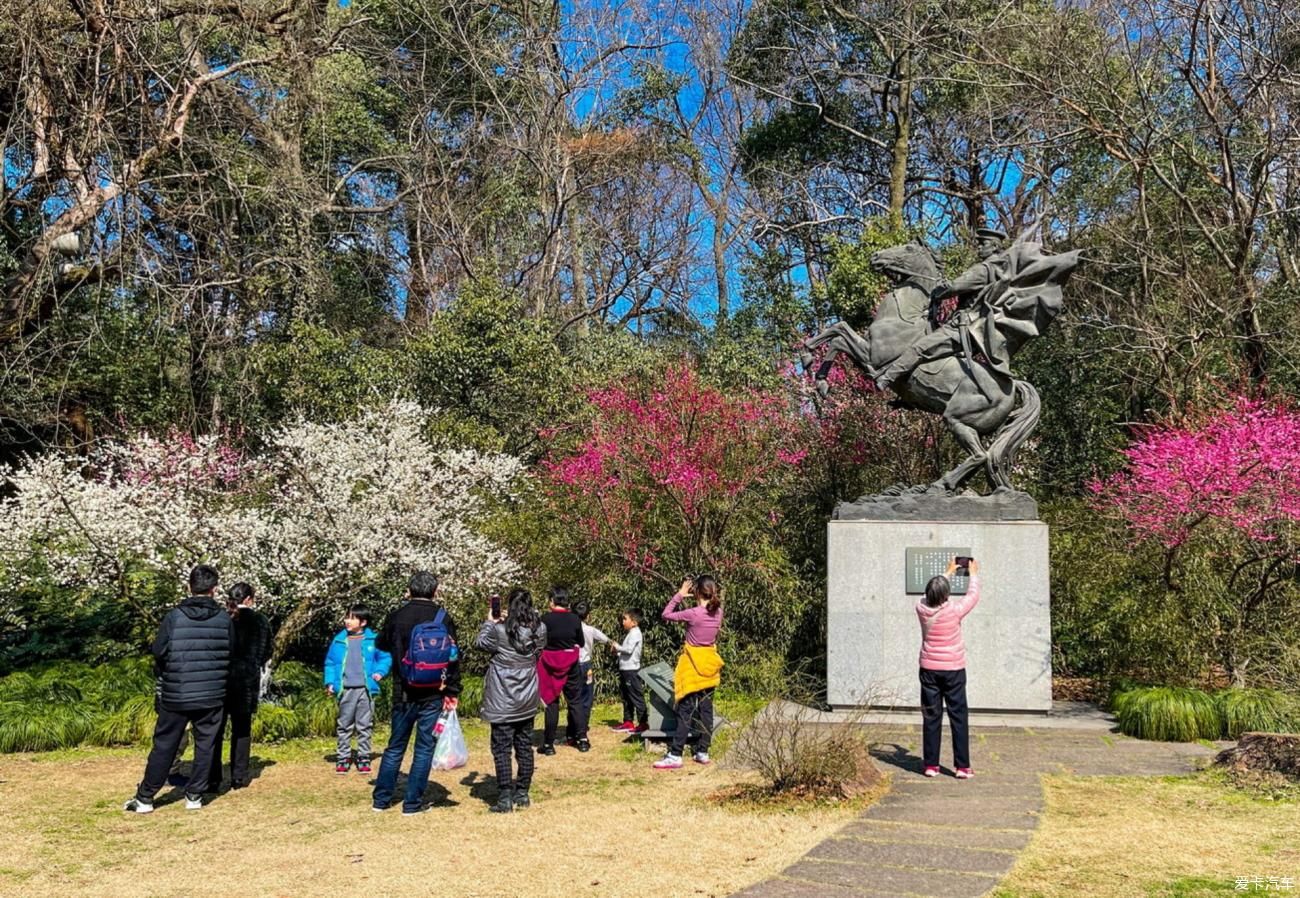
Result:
[323,513]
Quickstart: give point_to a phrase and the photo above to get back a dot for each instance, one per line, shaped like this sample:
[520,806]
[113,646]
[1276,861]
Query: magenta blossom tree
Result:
[1220,493]
[674,475]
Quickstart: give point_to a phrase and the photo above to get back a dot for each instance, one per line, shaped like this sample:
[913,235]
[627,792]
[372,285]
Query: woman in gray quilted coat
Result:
[510,698]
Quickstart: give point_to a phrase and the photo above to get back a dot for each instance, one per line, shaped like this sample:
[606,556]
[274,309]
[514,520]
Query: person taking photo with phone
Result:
[943,666]
[699,668]
[515,637]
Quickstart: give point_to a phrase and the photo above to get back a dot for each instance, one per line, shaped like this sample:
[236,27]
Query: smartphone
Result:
[496,606]
[963,565]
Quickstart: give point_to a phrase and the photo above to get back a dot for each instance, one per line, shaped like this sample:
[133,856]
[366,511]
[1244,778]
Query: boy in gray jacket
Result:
[510,694]
[629,674]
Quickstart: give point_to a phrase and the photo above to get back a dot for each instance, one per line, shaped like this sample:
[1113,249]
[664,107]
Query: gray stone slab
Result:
[916,855]
[793,888]
[964,801]
[1009,505]
[941,814]
[872,633]
[913,789]
[920,882]
[919,833]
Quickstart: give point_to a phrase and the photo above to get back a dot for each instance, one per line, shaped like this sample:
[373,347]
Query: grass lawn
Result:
[603,823]
[1175,837]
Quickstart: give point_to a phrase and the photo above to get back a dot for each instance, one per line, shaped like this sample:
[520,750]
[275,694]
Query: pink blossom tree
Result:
[1219,492]
[675,475]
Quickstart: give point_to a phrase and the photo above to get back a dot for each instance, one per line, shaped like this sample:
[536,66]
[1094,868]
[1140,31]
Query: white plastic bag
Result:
[451,751]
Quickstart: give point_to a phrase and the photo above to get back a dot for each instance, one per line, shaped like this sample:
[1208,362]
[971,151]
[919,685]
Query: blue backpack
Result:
[429,652]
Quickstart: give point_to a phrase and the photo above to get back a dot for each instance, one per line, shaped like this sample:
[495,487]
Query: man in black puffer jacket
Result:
[192,657]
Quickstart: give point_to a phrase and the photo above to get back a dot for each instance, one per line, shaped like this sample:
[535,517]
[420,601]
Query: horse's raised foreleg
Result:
[806,357]
[969,439]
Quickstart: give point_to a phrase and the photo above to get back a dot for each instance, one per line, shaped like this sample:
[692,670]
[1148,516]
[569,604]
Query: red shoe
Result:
[626,726]
[965,773]
[363,766]
[342,766]
[932,771]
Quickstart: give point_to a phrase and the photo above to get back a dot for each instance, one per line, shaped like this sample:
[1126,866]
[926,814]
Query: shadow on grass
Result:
[482,786]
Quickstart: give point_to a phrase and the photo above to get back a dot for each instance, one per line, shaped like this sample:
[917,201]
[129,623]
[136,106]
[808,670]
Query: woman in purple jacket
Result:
[695,707]
[943,668]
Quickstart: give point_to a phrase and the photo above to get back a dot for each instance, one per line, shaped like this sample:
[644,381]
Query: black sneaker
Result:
[582,745]
[521,799]
[547,749]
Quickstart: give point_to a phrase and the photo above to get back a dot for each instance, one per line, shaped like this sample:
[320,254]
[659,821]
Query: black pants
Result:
[241,744]
[694,715]
[167,737]
[939,688]
[632,691]
[573,698]
[518,735]
[585,701]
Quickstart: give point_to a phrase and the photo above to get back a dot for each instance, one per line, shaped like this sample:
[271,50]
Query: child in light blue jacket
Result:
[353,669]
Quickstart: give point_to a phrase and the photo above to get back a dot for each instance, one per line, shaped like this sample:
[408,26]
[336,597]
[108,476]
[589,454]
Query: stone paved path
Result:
[950,838]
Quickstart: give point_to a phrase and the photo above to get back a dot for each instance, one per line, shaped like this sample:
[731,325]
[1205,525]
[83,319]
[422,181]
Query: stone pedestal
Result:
[874,639]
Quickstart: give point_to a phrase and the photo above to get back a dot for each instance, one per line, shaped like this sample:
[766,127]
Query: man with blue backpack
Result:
[421,637]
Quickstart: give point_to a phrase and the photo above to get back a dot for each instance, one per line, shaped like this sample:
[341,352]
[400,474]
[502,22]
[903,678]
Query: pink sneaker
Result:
[965,773]
[668,762]
[932,771]
[626,726]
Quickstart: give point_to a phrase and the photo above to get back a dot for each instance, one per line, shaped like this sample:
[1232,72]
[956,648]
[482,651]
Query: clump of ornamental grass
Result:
[1257,711]
[1168,714]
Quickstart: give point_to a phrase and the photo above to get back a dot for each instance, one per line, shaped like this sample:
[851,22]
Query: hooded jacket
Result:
[510,686]
[192,655]
[373,661]
[941,643]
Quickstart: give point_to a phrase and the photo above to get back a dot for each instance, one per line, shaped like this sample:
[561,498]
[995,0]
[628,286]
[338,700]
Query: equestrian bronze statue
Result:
[960,367]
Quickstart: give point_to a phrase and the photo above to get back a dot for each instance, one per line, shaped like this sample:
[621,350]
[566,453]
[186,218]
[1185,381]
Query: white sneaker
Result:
[193,804]
[136,806]
[668,762]
[701,757]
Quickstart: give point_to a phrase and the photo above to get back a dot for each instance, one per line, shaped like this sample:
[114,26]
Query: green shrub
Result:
[274,723]
[1168,714]
[471,696]
[293,677]
[131,724]
[1258,711]
[318,711]
[43,727]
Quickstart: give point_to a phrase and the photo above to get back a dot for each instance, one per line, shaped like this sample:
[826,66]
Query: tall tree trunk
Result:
[720,257]
[902,128]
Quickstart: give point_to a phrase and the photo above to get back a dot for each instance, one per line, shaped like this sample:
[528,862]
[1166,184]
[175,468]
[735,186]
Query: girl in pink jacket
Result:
[943,668]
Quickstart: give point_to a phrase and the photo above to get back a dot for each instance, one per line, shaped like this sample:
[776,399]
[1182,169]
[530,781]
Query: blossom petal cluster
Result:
[670,463]
[320,512]
[1237,468]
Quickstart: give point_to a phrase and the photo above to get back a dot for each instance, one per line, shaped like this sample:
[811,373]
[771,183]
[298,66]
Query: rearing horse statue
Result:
[968,384]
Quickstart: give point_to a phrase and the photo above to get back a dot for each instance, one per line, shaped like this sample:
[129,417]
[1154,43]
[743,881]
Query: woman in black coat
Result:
[243,687]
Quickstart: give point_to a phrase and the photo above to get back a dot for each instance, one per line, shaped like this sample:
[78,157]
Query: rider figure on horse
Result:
[971,288]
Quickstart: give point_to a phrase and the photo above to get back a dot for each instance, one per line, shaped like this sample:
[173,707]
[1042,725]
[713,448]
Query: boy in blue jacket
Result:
[353,669]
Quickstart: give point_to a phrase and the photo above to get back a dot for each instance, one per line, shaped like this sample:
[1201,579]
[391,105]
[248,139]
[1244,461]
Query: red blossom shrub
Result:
[1219,492]
[669,476]
[1236,470]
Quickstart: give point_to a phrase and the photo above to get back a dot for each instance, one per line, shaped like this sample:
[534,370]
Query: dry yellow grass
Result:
[603,823]
[1151,837]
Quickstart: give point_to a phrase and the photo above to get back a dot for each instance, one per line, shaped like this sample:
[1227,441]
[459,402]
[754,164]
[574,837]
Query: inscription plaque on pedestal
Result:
[920,564]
